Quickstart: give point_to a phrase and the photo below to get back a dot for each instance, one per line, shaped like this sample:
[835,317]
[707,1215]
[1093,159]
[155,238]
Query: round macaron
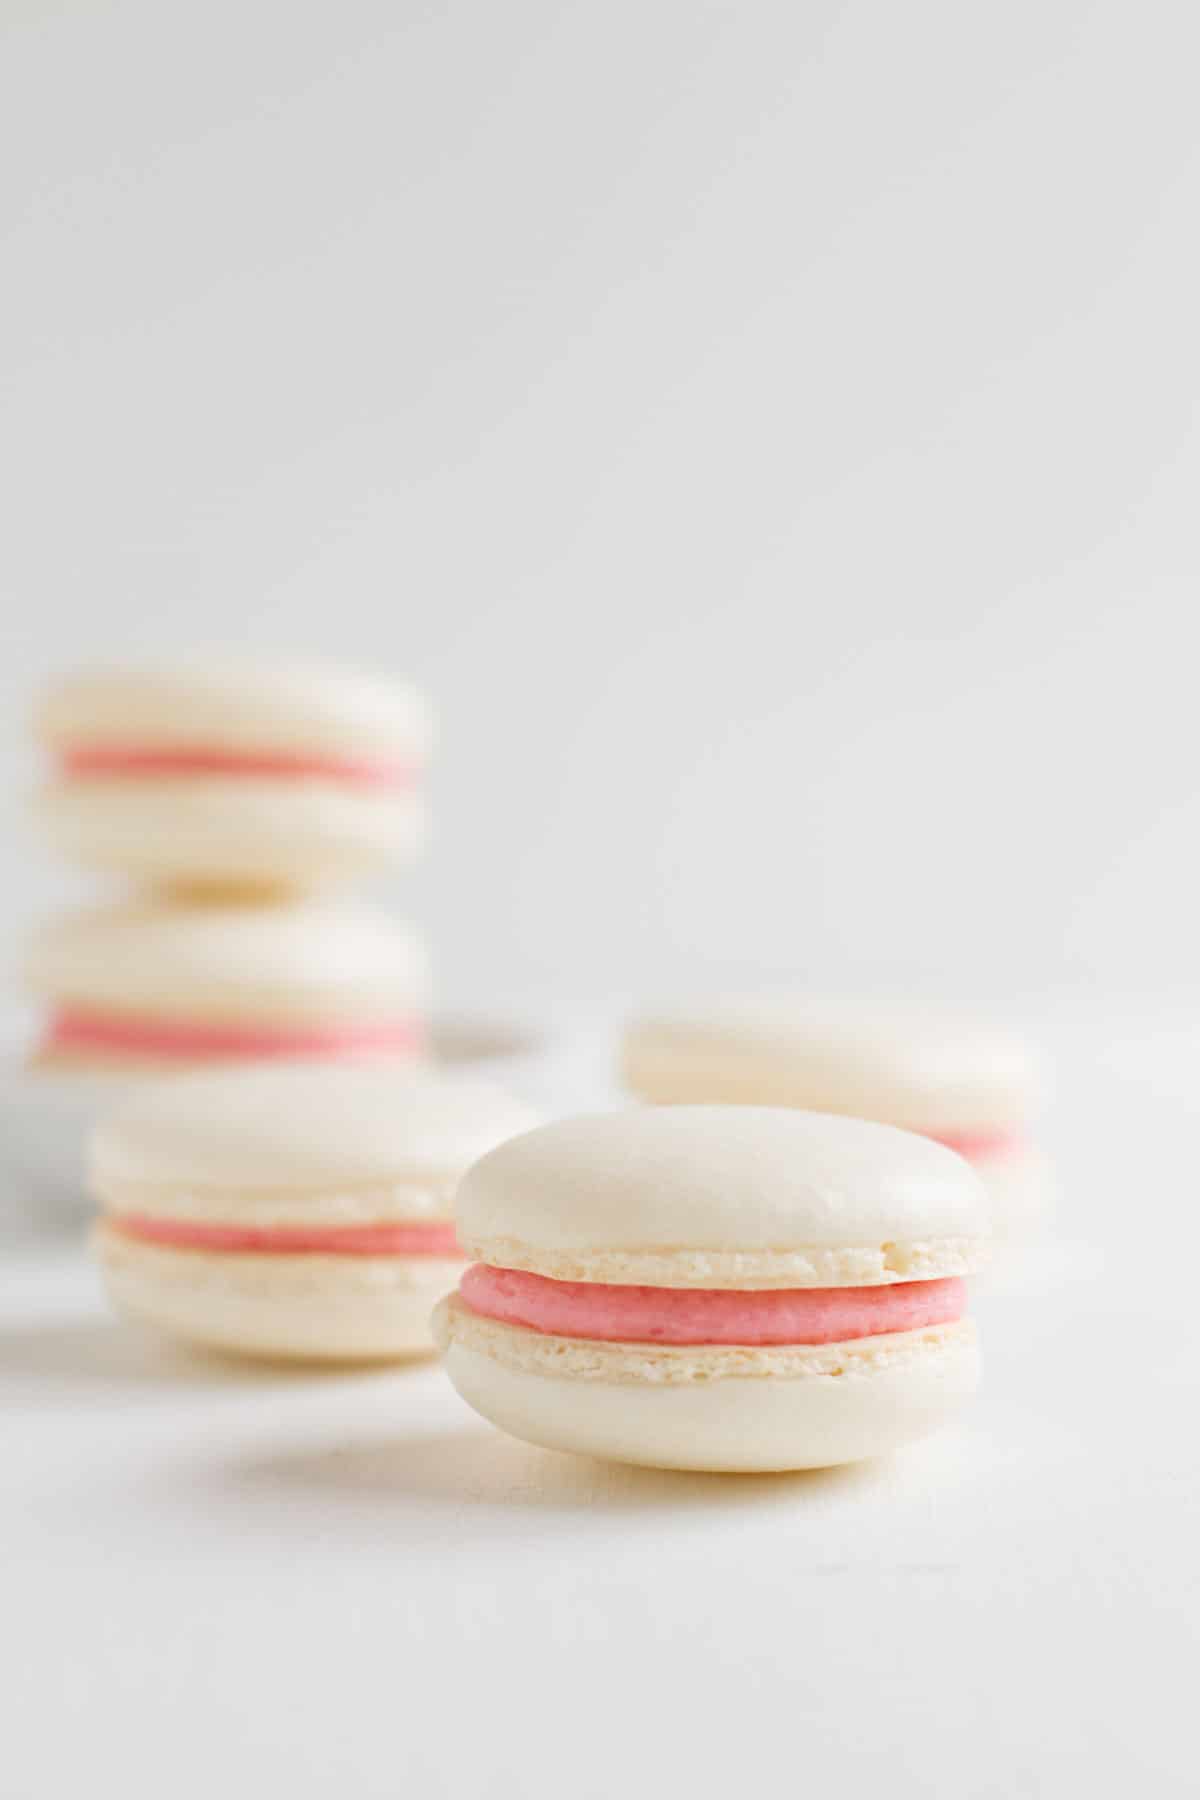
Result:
[153,986]
[970,1086]
[705,1287]
[234,775]
[302,1212]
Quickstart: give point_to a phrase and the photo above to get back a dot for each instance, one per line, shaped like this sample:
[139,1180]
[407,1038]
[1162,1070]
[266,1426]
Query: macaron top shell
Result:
[237,704]
[305,1127]
[914,1068]
[724,1197]
[297,960]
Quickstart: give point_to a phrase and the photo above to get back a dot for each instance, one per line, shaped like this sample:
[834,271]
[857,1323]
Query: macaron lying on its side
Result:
[303,1212]
[718,1288]
[234,775]
[970,1086]
[150,986]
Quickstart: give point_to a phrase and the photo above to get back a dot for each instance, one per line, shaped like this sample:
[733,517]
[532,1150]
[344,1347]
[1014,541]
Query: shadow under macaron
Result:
[72,1355]
[474,1467]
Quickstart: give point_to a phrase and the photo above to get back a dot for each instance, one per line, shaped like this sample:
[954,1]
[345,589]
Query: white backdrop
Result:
[768,430]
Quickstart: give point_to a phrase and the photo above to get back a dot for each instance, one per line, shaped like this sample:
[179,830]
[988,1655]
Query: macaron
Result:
[705,1287]
[299,1212]
[227,774]
[154,986]
[971,1086]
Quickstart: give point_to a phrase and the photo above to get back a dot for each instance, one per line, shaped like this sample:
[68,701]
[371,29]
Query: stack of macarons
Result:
[765,1271]
[229,776]
[237,797]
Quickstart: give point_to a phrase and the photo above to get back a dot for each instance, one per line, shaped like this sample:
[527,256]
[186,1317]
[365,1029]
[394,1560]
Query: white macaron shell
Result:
[232,833]
[299,961]
[769,1423]
[233,703]
[252,1145]
[712,1189]
[311,1308]
[916,1069]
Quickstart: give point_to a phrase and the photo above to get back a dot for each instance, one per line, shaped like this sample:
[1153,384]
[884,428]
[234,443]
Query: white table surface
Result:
[244,1582]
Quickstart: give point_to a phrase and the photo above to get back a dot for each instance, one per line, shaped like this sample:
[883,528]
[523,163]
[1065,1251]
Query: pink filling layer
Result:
[978,1144]
[71,1029]
[651,1315]
[433,1238]
[139,760]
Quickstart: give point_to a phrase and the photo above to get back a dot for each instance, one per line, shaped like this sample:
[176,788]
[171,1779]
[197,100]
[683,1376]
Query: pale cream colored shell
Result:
[909,1067]
[674,1365]
[297,961]
[724,1197]
[223,834]
[239,703]
[700,1408]
[273,1144]
[310,1308]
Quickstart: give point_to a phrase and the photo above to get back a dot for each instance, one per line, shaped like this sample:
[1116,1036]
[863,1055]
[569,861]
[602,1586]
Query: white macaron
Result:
[972,1086]
[152,986]
[717,1288]
[234,775]
[302,1212]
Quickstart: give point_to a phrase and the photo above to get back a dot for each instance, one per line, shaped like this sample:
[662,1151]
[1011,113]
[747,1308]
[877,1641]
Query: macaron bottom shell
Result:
[295,1307]
[234,836]
[680,1412]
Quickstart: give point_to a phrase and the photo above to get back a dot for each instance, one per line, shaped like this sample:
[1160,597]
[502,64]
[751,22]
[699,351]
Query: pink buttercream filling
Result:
[976,1145]
[653,1315]
[147,760]
[73,1029]
[425,1238]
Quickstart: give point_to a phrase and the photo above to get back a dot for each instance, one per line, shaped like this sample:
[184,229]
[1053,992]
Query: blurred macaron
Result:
[155,986]
[973,1087]
[299,1212]
[234,775]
